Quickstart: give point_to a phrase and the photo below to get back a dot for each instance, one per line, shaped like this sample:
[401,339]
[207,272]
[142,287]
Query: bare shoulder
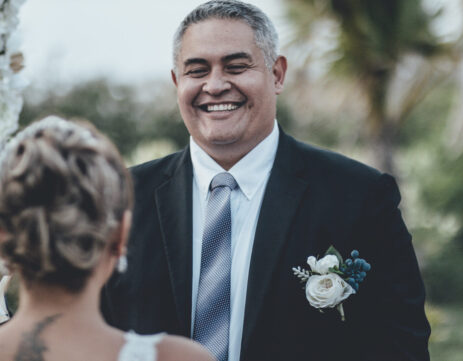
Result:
[8,341]
[176,348]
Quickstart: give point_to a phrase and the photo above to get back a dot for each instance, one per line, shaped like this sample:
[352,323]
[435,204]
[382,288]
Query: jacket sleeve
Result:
[397,328]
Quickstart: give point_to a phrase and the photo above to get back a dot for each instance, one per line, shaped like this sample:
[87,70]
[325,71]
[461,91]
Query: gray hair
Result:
[265,34]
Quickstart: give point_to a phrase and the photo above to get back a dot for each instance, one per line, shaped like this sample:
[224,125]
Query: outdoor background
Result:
[380,81]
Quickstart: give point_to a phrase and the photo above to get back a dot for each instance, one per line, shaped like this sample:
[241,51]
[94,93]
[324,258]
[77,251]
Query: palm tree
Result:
[375,40]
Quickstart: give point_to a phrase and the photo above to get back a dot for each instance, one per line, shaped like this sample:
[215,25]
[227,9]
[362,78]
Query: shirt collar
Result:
[250,172]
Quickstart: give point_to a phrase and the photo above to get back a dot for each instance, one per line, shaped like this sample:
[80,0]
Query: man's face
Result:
[226,94]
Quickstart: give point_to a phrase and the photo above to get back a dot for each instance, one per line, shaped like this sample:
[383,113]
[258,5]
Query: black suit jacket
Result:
[314,198]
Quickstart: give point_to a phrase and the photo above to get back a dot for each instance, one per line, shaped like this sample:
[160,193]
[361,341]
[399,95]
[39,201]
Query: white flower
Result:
[327,290]
[323,265]
[10,84]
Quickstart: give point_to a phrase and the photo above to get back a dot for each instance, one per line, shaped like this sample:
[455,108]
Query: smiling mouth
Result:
[223,107]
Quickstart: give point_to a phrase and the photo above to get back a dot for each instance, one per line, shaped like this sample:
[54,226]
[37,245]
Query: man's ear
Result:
[174,77]
[279,72]
[122,234]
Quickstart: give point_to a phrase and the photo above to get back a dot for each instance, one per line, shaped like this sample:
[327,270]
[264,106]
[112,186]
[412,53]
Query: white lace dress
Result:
[139,347]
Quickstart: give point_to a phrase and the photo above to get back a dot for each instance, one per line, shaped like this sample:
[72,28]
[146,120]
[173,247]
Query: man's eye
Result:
[196,72]
[236,68]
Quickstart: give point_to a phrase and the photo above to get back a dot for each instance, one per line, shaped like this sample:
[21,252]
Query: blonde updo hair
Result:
[63,191]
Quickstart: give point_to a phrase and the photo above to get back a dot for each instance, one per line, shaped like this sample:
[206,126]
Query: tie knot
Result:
[223,180]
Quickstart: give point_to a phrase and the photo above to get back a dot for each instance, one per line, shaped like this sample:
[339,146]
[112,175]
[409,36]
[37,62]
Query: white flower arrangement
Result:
[11,102]
[11,83]
[330,280]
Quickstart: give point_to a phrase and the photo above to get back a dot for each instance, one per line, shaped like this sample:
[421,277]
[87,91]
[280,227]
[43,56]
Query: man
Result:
[286,201]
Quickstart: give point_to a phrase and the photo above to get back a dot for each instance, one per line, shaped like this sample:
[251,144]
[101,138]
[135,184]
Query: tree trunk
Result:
[383,145]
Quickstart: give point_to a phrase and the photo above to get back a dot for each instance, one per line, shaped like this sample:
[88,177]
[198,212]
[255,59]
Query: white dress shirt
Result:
[251,173]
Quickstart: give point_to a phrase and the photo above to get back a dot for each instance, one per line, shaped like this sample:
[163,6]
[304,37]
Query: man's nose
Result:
[216,83]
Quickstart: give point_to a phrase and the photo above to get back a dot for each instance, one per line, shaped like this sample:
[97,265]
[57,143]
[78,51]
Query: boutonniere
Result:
[330,280]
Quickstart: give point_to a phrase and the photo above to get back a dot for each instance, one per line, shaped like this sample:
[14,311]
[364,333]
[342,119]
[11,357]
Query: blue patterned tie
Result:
[212,318]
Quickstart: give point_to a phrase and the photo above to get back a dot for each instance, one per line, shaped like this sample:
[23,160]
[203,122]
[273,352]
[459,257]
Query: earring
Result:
[122,264]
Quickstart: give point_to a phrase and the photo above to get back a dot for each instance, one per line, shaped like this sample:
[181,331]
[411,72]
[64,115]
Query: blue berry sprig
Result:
[354,269]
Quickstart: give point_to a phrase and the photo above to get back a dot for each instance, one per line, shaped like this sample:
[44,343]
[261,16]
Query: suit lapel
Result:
[284,191]
[174,206]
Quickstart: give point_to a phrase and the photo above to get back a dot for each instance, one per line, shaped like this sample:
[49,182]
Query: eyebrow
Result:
[240,55]
[226,58]
[194,61]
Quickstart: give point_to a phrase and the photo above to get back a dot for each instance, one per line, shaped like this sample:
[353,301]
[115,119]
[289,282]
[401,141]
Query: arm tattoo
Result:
[31,347]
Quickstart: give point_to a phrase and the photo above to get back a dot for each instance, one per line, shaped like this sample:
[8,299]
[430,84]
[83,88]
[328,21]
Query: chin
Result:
[222,141]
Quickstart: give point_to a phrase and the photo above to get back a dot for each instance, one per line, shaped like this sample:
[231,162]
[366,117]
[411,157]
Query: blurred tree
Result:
[442,193]
[114,109]
[443,273]
[431,171]
[376,43]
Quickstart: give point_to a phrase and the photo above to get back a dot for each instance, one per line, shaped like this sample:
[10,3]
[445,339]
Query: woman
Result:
[65,200]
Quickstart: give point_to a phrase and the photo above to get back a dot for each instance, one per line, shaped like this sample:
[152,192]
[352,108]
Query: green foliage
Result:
[326,131]
[116,111]
[428,120]
[444,191]
[374,34]
[443,273]
[333,251]
[434,172]
[112,109]
[447,333]
[169,125]
[372,39]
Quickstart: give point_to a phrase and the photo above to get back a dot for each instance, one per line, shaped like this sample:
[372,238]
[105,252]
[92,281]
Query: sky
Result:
[128,41]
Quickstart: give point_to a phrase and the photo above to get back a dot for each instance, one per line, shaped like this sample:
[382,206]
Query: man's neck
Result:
[227,155]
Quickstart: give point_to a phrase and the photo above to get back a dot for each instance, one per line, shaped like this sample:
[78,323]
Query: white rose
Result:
[327,290]
[323,265]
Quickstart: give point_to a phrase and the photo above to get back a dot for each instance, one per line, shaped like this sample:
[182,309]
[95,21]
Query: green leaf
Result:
[334,251]
[337,271]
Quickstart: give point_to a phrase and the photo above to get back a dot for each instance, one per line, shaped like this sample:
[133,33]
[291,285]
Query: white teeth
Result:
[221,107]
